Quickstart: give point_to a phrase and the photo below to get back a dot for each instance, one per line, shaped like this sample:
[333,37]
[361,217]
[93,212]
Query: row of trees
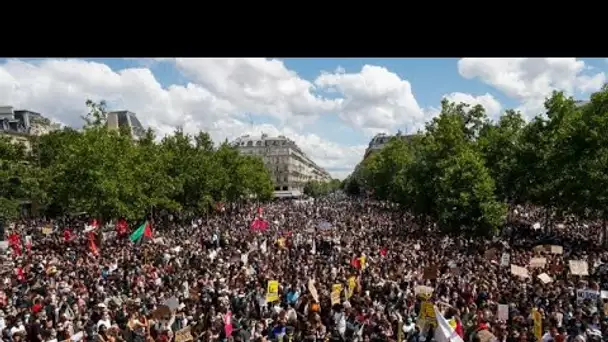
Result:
[107,174]
[465,171]
[319,188]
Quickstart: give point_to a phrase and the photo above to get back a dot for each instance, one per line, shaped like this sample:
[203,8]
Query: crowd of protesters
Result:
[334,269]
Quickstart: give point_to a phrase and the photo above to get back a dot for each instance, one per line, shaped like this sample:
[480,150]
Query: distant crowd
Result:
[334,269]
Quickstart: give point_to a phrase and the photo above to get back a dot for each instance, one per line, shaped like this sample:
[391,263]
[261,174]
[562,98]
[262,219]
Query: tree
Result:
[108,174]
[499,145]
[321,188]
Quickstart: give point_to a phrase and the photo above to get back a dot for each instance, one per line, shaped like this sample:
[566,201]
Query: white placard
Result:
[519,271]
[579,267]
[545,278]
[503,312]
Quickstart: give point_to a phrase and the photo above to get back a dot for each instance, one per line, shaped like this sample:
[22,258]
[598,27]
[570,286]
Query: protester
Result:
[343,270]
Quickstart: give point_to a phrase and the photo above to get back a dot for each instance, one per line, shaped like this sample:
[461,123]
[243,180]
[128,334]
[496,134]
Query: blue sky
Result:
[332,107]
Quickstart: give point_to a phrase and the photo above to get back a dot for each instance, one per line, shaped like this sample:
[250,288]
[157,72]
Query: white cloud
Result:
[492,106]
[374,99]
[59,88]
[530,80]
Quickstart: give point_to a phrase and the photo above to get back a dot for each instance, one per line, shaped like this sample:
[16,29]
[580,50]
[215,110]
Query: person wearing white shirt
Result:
[105,320]
[19,327]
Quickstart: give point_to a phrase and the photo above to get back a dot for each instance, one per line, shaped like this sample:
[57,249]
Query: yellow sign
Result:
[281,242]
[335,293]
[427,314]
[538,324]
[362,260]
[272,294]
[47,230]
[352,284]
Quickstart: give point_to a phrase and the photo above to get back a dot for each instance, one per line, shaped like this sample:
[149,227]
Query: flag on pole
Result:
[144,230]
[444,331]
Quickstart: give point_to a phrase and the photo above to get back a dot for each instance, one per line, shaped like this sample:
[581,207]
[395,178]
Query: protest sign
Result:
[336,289]
[583,294]
[579,267]
[352,284]
[424,291]
[519,271]
[183,335]
[545,278]
[538,262]
[505,259]
[272,294]
[430,273]
[503,312]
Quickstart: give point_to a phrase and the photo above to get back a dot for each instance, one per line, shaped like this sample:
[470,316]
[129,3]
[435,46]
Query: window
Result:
[258,143]
[250,143]
[122,119]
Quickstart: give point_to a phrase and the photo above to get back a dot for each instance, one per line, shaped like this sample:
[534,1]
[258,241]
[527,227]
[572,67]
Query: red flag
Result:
[67,235]
[148,230]
[92,245]
[383,251]
[122,227]
[14,241]
[228,324]
[259,224]
[356,263]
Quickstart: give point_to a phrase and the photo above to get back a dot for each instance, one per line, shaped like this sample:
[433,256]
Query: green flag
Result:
[143,230]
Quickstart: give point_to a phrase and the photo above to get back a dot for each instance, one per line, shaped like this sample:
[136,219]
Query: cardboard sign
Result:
[47,230]
[161,312]
[183,335]
[424,291]
[430,273]
[557,249]
[579,267]
[490,254]
[545,278]
[538,262]
[272,293]
[519,271]
[539,249]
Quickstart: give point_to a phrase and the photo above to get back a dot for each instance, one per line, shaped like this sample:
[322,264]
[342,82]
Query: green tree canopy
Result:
[108,174]
[465,169]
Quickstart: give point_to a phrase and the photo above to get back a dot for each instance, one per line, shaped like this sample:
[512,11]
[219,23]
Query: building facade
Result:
[290,168]
[125,118]
[380,140]
[20,125]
